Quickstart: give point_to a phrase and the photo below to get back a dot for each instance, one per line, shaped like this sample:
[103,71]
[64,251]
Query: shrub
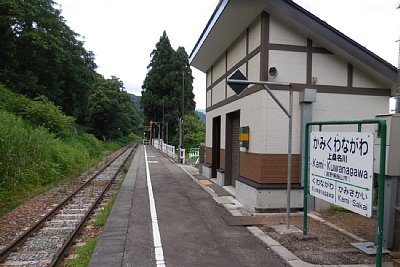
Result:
[40,112]
[32,158]
[24,152]
[43,112]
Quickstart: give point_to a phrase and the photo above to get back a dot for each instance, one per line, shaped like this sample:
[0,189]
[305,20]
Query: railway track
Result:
[47,241]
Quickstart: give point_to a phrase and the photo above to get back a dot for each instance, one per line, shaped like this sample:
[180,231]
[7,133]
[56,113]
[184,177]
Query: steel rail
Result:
[34,228]
[67,244]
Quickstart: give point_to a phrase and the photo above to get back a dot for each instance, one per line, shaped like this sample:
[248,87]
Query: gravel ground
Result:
[329,246]
[21,218]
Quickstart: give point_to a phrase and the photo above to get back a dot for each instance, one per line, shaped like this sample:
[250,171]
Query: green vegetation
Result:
[41,55]
[112,113]
[336,209]
[195,131]
[40,112]
[201,115]
[41,147]
[101,218]
[53,103]
[84,253]
[43,59]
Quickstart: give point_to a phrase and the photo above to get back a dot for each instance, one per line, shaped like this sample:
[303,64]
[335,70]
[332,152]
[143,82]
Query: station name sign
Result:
[341,169]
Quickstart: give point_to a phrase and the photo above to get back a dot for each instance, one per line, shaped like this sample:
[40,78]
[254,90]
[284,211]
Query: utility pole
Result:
[180,139]
[183,108]
[166,125]
[397,94]
[163,123]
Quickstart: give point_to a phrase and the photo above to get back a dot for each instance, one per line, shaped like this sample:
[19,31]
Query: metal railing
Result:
[194,155]
[169,150]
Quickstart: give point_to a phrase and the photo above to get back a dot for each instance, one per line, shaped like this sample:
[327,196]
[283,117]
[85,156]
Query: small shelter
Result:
[333,78]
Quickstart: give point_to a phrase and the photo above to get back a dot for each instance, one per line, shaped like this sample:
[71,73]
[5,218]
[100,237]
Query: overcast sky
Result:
[123,33]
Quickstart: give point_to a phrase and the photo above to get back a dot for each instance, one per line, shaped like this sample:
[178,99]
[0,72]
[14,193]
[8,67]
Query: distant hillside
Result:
[201,115]
[136,102]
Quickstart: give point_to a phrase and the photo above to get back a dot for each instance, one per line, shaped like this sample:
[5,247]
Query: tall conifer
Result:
[169,77]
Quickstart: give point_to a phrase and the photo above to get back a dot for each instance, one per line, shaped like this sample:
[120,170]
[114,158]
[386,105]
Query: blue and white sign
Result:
[341,169]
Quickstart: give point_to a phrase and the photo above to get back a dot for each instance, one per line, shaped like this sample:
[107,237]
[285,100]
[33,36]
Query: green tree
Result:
[168,82]
[111,111]
[195,131]
[41,55]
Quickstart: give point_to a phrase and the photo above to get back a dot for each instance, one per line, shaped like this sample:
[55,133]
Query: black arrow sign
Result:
[238,87]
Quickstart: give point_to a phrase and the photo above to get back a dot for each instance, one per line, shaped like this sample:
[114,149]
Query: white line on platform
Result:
[158,250]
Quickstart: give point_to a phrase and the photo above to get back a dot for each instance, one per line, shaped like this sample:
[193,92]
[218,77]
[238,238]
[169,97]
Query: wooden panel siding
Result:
[221,156]
[208,155]
[268,168]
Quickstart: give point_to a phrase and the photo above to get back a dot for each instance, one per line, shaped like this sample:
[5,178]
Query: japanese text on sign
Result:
[341,169]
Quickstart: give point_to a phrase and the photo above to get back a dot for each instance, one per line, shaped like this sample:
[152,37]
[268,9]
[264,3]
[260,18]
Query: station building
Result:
[333,78]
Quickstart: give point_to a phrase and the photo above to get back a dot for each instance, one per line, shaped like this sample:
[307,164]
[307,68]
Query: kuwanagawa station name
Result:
[331,166]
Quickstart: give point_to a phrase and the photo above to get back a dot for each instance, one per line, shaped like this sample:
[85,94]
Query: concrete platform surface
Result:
[192,231]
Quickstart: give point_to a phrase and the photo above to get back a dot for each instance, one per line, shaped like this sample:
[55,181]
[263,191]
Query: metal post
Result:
[183,108]
[159,141]
[389,212]
[166,124]
[289,114]
[163,123]
[306,116]
[381,193]
[151,132]
[289,174]
[180,140]
[306,156]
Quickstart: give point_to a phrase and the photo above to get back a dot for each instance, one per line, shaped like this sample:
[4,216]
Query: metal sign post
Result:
[239,83]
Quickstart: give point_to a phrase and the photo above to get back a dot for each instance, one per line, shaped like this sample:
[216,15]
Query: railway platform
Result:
[163,217]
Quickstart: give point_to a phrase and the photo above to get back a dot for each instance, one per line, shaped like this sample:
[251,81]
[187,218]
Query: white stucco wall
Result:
[362,80]
[253,67]
[269,133]
[237,51]
[327,107]
[208,100]
[208,78]
[280,33]
[255,34]
[278,124]
[348,107]
[219,68]
[251,109]
[291,66]
[218,92]
[329,70]
[267,122]
[209,119]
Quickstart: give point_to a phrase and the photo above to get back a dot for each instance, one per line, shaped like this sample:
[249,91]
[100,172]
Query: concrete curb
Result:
[275,246]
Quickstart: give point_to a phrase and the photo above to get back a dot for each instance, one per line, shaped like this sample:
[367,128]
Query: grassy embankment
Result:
[40,147]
